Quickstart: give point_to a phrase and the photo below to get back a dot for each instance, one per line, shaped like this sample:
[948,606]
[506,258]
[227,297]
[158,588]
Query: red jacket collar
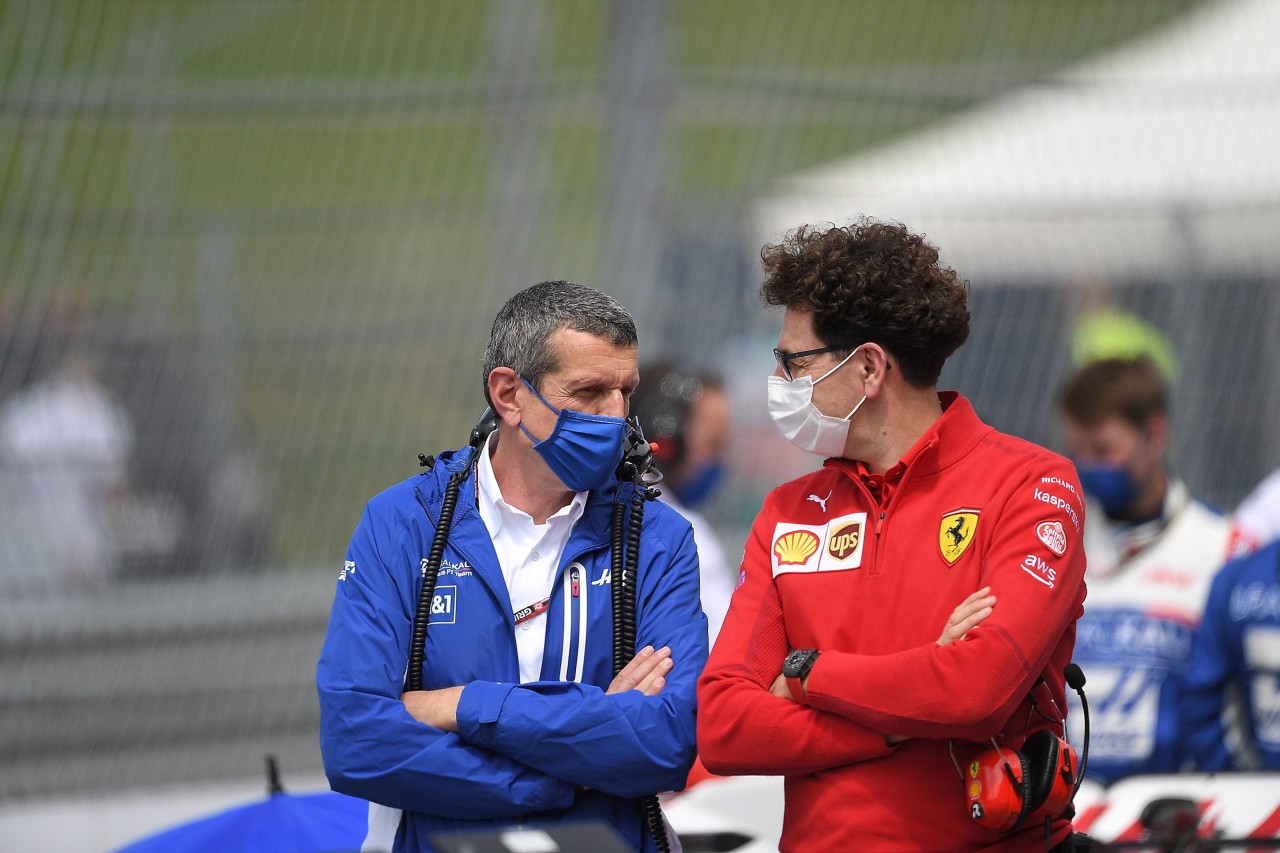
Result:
[952,437]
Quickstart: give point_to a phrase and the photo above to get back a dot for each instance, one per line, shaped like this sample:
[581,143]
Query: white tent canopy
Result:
[1160,158]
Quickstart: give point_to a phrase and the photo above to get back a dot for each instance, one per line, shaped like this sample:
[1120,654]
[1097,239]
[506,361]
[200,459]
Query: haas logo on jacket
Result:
[956,533]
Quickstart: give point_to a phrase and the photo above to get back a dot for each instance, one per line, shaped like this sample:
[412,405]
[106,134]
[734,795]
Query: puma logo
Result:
[821,501]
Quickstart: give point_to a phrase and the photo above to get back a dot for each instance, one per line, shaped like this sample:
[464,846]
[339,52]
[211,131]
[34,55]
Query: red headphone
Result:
[1005,786]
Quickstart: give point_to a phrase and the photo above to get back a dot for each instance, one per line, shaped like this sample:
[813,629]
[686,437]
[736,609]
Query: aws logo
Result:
[845,540]
[795,548]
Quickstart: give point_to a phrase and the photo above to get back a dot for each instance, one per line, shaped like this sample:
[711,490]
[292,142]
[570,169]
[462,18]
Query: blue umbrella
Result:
[324,822]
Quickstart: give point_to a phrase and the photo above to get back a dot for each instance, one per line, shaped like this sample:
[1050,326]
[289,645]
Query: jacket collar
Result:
[953,436]
[493,507]
[591,531]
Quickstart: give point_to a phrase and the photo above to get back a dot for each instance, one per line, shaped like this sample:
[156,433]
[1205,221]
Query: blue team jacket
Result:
[550,751]
[1234,671]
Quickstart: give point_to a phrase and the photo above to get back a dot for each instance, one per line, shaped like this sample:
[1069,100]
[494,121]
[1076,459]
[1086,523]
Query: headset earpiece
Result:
[1005,786]
[996,787]
[1061,772]
[1041,754]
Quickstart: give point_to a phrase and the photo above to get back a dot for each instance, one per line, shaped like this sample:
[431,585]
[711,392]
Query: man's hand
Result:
[966,617]
[436,708]
[645,673]
[963,619]
[780,689]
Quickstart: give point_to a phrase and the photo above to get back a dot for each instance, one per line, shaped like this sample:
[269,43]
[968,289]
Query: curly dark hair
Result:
[875,282]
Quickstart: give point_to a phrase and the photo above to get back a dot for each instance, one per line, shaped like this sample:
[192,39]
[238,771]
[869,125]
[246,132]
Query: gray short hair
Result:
[527,321]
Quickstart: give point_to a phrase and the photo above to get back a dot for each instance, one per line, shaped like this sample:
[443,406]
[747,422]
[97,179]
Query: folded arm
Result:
[743,728]
[372,746]
[624,743]
[968,689]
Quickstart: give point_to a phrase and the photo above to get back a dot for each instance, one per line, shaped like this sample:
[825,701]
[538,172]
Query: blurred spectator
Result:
[1152,551]
[1257,519]
[1106,332]
[65,445]
[1230,703]
[687,416]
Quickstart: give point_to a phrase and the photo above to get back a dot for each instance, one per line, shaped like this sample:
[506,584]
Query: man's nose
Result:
[615,405]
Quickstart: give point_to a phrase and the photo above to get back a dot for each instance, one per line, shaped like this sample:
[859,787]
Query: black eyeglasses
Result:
[784,358]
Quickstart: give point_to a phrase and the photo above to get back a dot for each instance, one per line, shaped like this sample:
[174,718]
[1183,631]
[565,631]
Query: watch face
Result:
[798,663]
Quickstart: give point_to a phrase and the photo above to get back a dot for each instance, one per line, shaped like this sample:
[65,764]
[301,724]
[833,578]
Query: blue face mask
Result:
[582,450]
[700,484]
[1111,485]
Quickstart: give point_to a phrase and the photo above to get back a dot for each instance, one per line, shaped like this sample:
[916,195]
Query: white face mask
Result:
[799,420]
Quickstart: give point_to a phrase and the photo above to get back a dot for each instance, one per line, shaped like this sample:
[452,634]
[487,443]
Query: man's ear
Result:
[872,364]
[1157,427]
[503,384]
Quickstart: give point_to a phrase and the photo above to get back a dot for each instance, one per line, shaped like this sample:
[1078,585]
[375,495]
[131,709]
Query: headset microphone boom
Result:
[1075,680]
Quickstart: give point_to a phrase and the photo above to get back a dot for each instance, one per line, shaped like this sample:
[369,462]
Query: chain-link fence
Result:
[250,251]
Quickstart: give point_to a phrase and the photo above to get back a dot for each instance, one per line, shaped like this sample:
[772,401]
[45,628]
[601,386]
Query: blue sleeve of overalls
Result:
[1213,663]
[372,747]
[626,744]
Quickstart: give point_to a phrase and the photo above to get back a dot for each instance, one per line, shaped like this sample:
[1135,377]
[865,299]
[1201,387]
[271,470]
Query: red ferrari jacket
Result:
[871,586]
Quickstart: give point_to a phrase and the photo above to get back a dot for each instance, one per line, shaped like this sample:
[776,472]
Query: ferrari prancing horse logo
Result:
[956,532]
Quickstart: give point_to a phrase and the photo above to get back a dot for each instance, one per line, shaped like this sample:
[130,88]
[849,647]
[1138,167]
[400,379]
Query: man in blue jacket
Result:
[1230,702]
[521,719]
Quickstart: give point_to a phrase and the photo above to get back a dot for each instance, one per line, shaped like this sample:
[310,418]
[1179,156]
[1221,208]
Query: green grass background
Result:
[353,151]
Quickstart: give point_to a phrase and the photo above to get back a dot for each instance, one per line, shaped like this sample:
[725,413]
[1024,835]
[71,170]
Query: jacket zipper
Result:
[882,512]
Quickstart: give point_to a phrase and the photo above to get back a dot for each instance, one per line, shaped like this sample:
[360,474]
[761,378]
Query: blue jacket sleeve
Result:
[1213,661]
[372,747]
[626,744]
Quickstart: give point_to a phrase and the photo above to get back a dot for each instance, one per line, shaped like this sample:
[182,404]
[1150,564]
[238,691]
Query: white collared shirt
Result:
[529,555]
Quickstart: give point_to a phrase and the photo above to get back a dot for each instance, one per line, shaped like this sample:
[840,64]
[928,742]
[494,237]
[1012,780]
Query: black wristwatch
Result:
[794,670]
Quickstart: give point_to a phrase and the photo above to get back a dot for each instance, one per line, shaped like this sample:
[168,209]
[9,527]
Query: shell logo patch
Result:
[795,548]
[844,540]
[956,532]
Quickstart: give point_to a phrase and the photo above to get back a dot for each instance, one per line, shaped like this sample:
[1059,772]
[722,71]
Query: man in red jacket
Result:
[829,669]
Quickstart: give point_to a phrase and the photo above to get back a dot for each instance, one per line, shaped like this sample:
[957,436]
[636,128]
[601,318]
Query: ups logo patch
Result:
[844,540]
